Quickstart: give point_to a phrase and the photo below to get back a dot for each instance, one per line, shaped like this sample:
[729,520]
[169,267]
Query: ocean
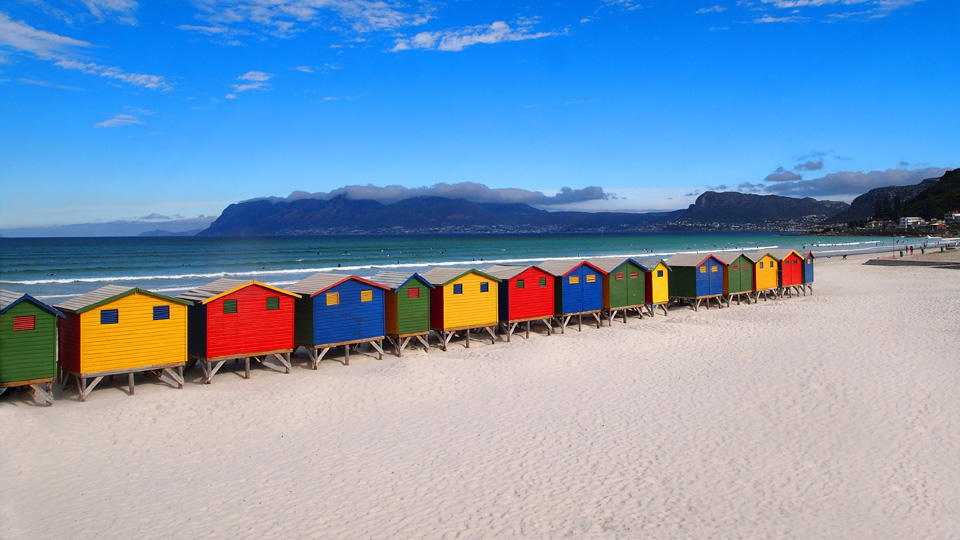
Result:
[53,269]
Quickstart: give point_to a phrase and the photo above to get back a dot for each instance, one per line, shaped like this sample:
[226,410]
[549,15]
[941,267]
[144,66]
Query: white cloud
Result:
[120,10]
[715,9]
[119,120]
[254,80]
[771,19]
[24,37]
[212,30]
[846,9]
[459,39]
[305,69]
[153,82]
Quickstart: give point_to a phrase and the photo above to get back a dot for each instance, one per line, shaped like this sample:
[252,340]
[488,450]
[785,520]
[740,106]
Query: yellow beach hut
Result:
[462,300]
[657,290]
[765,282]
[118,330]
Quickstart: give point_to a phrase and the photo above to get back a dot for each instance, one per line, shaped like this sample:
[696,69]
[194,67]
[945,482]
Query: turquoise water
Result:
[56,268]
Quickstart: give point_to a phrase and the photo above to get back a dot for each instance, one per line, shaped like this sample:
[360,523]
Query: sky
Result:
[163,113]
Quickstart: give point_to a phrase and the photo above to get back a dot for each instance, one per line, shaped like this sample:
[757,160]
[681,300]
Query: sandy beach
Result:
[830,416]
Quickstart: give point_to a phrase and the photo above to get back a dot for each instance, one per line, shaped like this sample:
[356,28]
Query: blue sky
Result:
[121,110]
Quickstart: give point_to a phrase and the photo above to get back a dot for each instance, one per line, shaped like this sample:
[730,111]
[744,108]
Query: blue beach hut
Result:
[578,287]
[338,310]
[696,278]
[807,284]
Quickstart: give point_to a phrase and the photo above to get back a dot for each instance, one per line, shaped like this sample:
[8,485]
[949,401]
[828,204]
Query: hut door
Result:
[634,286]
[716,278]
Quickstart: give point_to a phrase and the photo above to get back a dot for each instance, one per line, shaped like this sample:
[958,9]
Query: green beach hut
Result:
[407,306]
[738,278]
[28,344]
[624,289]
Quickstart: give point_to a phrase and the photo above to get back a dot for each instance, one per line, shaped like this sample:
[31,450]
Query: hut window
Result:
[659,273]
[713,268]
[574,280]
[519,283]
[634,275]
[703,269]
[773,264]
[484,287]
[458,288]
[25,322]
[109,316]
[273,303]
[761,264]
[161,313]
[543,282]
[413,292]
[619,276]
[366,296]
[809,261]
[333,298]
[591,278]
[229,306]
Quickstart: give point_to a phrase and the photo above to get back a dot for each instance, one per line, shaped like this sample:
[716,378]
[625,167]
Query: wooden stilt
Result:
[133,389]
[246,368]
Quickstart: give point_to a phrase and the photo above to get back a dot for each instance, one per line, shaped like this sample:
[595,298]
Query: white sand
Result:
[827,416]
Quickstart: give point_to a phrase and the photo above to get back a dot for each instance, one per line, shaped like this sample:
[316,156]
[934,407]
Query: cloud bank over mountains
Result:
[471,191]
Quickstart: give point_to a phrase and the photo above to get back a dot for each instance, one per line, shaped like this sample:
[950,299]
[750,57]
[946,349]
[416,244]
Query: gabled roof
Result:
[321,281]
[107,294]
[396,280]
[205,294]
[811,255]
[781,254]
[755,256]
[442,276]
[509,271]
[651,263]
[562,267]
[692,259]
[609,264]
[9,299]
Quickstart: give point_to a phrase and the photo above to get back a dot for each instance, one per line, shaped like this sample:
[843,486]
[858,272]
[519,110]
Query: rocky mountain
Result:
[939,198]
[734,208]
[867,205]
[416,215]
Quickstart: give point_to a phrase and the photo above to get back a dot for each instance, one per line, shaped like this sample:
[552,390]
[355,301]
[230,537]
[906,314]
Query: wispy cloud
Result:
[304,69]
[210,30]
[841,9]
[714,9]
[251,80]
[122,11]
[119,120]
[766,19]
[461,38]
[48,84]
[286,18]
[153,82]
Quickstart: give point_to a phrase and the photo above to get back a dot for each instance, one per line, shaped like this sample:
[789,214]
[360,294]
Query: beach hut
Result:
[462,300]
[337,310]
[696,278]
[232,319]
[578,290]
[790,272]
[765,279]
[526,297]
[624,287]
[407,305]
[738,278]
[117,330]
[656,285]
[807,282]
[28,344]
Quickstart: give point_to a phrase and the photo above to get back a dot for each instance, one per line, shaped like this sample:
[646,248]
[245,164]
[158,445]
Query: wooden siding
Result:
[69,339]
[470,309]
[738,276]
[351,319]
[625,292]
[765,277]
[579,295]
[407,315]
[27,355]
[808,264]
[691,282]
[530,301]
[252,328]
[658,288]
[136,340]
[791,270]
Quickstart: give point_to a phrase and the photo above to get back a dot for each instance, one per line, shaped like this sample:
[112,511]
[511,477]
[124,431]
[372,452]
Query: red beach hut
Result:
[526,297]
[790,273]
[232,319]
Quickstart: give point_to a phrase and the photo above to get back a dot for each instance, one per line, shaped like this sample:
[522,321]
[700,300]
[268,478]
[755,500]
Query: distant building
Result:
[952,217]
[910,222]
